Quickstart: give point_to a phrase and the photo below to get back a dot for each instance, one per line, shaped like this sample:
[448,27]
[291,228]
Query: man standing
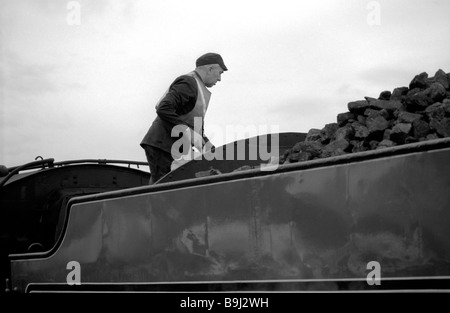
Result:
[184,102]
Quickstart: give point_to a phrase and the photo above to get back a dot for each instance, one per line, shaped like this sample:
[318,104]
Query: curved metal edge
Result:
[31,165]
[412,284]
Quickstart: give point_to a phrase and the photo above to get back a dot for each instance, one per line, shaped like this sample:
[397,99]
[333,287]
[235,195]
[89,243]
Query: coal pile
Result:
[410,114]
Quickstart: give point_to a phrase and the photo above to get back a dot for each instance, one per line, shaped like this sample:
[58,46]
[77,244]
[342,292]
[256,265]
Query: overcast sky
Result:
[80,79]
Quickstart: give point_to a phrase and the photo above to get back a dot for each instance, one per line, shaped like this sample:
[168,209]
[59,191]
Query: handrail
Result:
[98,161]
[41,164]
[101,161]
[31,165]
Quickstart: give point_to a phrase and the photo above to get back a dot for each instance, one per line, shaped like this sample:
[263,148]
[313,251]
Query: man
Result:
[184,103]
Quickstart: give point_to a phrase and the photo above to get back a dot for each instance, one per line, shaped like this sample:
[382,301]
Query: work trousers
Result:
[159,162]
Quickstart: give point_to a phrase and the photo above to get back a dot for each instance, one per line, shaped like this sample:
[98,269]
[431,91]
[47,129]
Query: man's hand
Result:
[194,138]
[209,146]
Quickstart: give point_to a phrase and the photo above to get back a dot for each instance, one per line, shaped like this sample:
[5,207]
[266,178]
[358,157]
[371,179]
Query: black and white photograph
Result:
[223,155]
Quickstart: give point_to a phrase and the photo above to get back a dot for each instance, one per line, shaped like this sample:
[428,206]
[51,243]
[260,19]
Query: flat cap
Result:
[211,58]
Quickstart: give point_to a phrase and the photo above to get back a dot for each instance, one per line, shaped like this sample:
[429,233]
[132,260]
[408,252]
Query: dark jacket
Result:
[179,100]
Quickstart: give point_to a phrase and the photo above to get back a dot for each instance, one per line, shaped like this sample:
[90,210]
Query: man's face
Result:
[213,75]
